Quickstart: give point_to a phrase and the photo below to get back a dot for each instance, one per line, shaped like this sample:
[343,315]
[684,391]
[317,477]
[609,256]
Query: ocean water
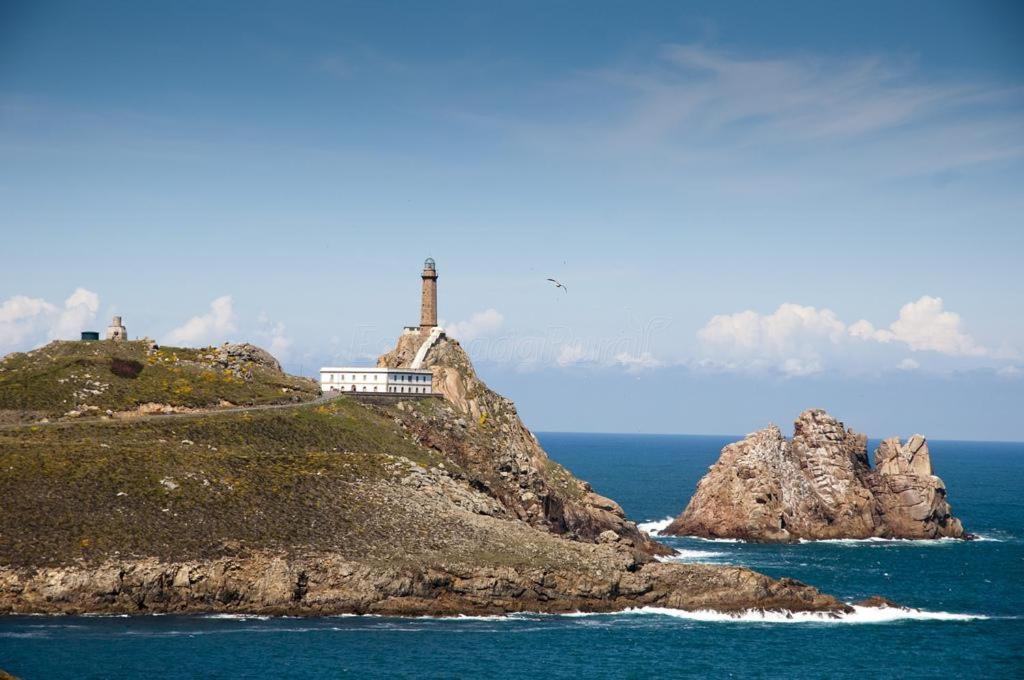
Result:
[970,597]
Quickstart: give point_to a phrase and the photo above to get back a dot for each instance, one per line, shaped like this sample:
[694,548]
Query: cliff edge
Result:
[484,433]
[819,485]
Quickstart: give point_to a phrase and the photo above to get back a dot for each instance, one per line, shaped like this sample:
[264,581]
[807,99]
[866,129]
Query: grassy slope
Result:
[86,489]
[63,376]
[315,477]
[307,478]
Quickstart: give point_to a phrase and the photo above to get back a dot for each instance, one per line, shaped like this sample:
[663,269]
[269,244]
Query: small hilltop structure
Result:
[116,330]
[412,381]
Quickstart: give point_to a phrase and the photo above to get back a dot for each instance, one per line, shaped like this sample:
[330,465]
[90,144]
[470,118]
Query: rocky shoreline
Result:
[321,585]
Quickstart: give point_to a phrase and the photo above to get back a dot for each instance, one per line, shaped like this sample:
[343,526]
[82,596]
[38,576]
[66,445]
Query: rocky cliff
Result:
[484,432]
[819,485]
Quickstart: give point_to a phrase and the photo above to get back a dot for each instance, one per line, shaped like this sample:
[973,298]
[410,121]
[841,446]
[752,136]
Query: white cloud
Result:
[478,325]
[79,310]
[797,340]
[571,354]
[26,322]
[20,318]
[1010,372]
[637,362]
[924,325]
[862,329]
[908,365]
[790,338]
[801,367]
[207,328]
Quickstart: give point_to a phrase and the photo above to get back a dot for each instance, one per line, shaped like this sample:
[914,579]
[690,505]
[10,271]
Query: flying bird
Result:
[559,284]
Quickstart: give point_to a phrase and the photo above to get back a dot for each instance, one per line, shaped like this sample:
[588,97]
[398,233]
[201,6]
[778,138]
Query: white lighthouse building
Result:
[414,380]
[380,380]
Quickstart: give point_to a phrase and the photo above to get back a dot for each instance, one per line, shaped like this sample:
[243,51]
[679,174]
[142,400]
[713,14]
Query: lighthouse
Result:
[428,301]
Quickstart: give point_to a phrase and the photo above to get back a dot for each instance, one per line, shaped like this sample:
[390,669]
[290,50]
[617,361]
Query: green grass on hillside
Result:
[93,377]
[197,486]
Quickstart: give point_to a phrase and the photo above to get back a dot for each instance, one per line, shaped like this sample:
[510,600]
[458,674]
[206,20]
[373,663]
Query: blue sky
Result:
[756,209]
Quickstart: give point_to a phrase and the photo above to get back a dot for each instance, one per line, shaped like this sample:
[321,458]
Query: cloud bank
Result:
[27,322]
[797,340]
[924,326]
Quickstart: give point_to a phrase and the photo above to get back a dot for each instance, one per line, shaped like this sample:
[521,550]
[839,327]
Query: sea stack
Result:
[819,485]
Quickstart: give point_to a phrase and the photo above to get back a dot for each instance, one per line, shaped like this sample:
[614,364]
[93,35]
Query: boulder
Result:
[241,356]
[819,485]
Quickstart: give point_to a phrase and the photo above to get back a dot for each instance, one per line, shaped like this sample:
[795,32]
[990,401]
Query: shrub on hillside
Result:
[125,368]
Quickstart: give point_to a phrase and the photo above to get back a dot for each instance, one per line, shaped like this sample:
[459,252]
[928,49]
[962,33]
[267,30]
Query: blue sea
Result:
[971,597]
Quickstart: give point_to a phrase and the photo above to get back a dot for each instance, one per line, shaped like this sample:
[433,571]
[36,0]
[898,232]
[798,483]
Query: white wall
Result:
[375,380]
[354,380]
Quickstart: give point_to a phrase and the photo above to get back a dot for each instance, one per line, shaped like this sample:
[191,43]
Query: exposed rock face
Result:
[819,485]
[240,357]
[328,584]
[507,462]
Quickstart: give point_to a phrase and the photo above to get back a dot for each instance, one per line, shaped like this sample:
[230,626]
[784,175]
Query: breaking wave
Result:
[943,541]
[653,526]
[682,555]
[847,541]
[859,615]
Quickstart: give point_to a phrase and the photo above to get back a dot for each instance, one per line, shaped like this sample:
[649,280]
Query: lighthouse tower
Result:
[428,303]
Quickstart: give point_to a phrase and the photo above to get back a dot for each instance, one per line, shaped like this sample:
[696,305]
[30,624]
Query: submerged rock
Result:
[819,485]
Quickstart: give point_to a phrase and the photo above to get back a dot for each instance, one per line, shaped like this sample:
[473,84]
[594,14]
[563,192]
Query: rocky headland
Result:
[819,485]
[391,506]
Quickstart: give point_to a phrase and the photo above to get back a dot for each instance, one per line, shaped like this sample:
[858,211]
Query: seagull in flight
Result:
[559,284]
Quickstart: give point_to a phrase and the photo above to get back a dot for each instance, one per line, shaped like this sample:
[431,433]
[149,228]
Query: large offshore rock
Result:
[819,485]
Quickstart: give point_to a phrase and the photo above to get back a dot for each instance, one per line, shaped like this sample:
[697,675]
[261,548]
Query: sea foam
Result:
[653,526]
[930,542]
[858,615]
[682,555]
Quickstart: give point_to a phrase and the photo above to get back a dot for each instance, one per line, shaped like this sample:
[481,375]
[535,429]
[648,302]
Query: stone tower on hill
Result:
[116,330]
[428,304]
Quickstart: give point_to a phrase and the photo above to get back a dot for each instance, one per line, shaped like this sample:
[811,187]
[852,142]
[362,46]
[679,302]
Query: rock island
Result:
[819,485]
